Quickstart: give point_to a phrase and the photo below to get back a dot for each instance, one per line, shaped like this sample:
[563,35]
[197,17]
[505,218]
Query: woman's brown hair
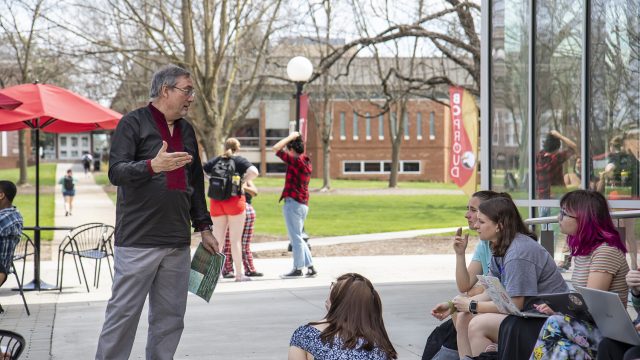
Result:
[356,313]
[504,213]
[231,146]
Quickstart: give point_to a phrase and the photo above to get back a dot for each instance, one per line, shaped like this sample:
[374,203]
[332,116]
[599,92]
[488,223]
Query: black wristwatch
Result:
[473,307]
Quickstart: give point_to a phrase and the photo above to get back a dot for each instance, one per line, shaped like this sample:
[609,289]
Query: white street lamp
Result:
[299,70]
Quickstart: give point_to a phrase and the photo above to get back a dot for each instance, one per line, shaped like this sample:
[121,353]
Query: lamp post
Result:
[299,70]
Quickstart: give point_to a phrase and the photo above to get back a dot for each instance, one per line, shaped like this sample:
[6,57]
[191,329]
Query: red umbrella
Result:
[8,103]
[55,110]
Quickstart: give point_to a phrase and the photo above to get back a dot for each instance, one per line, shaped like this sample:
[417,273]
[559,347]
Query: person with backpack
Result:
[227,173]
[68,183]
[87,159]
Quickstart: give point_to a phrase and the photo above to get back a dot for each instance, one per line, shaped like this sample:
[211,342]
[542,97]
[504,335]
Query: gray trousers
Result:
[161,273]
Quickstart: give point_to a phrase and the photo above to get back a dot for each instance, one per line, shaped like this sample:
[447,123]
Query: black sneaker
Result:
[228,275]
[295,273]
[311,272]
[253,274]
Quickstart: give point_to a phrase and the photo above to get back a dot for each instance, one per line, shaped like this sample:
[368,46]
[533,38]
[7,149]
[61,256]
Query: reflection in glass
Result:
[510,51]
[615,96]
[558,59]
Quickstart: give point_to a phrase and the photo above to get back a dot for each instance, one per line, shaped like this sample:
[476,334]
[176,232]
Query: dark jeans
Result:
[609,349]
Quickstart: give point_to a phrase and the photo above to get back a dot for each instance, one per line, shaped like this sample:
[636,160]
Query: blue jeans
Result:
[294,215]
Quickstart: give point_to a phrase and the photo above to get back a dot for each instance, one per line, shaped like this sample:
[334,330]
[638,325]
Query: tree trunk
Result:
[326,166]
[22,145]
[396,141]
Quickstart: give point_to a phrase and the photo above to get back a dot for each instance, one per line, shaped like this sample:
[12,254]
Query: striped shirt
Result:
[606,259]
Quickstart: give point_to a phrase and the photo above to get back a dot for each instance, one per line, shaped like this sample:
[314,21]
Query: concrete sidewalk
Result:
[251,320]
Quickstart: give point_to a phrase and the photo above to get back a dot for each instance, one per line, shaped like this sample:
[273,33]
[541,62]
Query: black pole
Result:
[298,94]
[36,234]
[37,284]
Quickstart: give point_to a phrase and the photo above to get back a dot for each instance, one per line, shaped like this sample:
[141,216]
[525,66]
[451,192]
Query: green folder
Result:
[205,272]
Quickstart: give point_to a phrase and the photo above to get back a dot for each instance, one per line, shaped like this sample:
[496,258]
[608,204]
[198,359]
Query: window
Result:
[405,120]
[63,142]
[74,153]
[276,168]
[352,167]
[85,142]
[379,167]
[343,133]
[410,167]
[432,125]
[419,126]
[74,141]
[63,153]
[381,127]
[372,166]
[368,126]
[275,135]
[355,126]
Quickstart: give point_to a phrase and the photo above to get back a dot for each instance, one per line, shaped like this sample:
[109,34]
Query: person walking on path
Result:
[296,200]
[154,162]
[87,159]
[68,183]
[228,204]
[250,191]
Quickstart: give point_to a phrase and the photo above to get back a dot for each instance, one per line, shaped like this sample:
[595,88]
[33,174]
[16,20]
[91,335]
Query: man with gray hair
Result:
[154,162]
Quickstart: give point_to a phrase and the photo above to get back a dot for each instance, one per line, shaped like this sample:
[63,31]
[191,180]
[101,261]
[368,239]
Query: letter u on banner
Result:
[463,154]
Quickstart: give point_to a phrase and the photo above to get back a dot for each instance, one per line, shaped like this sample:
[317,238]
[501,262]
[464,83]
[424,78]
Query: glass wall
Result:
[614,71]
[509,94]
[537,169]
[585,84]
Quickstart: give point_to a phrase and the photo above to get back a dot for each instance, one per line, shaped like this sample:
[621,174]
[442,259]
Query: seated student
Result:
[352,329]
[600,263]
[523,266]
[466,277]
[10,227]
[609,349]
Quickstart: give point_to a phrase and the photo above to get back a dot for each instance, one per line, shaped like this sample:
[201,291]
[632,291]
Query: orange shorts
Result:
[232,206]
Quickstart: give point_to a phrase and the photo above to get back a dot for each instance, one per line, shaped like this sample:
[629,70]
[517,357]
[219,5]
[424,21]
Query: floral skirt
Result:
[564,337]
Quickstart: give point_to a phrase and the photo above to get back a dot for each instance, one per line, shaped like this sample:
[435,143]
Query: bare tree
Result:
[323,110]
[403,68]
[225,44]
[25,46]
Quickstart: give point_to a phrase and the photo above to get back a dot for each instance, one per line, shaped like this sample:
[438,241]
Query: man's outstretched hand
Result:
[165,161]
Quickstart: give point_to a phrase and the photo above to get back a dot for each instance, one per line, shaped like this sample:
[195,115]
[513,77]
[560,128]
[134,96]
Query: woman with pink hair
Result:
[600,263]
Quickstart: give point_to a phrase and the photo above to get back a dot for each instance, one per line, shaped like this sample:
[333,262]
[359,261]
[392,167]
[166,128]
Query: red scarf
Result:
[176,179]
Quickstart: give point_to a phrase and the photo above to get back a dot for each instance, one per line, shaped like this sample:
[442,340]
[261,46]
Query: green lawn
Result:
[25,201]
[331,215]
[355,184]
[47,174]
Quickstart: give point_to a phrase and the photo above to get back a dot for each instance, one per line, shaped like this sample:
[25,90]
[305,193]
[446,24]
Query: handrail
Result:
[626,214]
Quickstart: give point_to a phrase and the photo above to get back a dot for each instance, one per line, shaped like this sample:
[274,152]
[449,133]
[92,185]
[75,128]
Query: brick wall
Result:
[428,151]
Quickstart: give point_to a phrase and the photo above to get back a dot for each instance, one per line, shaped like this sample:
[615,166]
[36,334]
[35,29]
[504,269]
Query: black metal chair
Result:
[21,252]
[12,345]
[92,241]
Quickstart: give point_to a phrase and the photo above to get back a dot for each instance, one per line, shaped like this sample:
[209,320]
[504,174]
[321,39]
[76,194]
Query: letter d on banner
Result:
[463,154]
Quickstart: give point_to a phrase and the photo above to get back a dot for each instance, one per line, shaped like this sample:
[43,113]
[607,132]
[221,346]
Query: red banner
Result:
[464,139]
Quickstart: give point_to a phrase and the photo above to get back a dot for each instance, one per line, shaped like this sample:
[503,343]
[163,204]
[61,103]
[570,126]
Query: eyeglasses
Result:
[189,92]
[563,213]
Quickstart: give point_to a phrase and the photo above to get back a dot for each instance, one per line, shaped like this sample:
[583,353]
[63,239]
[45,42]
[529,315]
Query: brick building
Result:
[361,145]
